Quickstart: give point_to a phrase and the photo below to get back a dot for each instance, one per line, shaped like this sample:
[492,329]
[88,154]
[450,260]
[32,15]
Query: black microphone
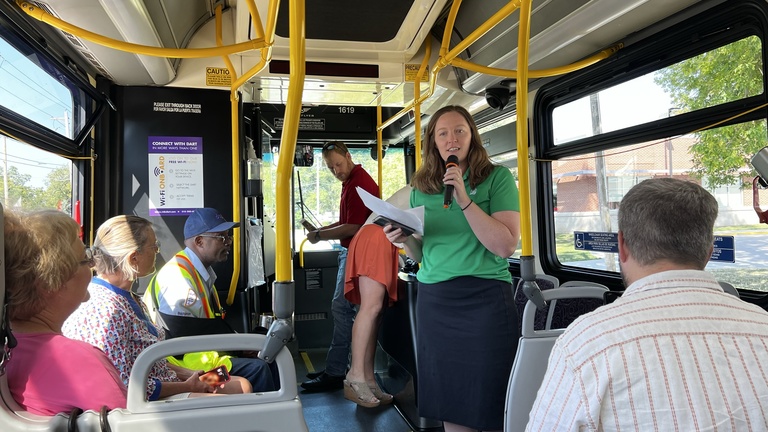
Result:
[448,196]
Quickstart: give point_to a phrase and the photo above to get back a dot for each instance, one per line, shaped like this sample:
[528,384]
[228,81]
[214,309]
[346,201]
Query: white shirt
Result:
[673,353]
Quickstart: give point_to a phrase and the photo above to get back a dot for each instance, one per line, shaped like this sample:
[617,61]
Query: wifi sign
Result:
[158,171]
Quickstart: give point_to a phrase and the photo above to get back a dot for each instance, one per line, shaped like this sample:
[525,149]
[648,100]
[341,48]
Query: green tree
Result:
[726,74]
[20,195]
[58,192]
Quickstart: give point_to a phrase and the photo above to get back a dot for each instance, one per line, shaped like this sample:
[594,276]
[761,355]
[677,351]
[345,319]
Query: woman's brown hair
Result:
[429,178]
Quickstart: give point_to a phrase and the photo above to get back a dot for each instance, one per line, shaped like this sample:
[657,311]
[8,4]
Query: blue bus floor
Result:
[331,412]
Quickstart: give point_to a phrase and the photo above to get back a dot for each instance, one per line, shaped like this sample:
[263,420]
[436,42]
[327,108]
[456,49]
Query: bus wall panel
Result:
[176,112]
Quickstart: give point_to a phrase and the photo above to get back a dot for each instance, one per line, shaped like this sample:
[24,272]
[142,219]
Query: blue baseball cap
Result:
[205,220]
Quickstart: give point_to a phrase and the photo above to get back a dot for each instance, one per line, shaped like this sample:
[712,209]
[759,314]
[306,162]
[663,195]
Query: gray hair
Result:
[116,240]
[39,259]
[668,219]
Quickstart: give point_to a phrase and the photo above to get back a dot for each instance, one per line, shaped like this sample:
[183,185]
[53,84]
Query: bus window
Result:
[589,186]
[34,179]
[321,191]
[735,74]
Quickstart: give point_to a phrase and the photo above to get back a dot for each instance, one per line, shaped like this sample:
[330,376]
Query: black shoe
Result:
[324,382]
[313,375]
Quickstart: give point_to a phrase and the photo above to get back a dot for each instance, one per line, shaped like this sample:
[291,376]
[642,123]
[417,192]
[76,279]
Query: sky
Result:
[29,91]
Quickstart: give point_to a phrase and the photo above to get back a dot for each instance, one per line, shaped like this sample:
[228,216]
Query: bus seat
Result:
[567,310]
[728,288]
[545,282]
[533,349]
[275,411]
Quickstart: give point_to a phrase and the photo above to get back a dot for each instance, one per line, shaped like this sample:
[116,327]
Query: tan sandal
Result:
[384,398]
[359,393]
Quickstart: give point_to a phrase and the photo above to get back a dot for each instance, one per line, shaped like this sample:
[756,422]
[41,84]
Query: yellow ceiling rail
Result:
[220,42]
[521,95]
[266,52]
[542,73]
[39,14]
[446,56]
[297,56]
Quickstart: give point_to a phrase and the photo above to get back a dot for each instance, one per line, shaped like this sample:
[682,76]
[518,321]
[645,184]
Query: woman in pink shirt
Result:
[47,271]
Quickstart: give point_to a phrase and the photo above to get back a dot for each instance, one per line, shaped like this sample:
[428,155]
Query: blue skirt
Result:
[467,334]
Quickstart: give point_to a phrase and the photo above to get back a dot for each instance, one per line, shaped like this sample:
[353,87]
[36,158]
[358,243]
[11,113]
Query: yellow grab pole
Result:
[236,200]
[379,145]
[521,95]
[542,73]
[417,103]
[283,269]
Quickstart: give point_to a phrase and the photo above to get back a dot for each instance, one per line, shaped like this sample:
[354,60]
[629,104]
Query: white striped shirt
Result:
[673,353]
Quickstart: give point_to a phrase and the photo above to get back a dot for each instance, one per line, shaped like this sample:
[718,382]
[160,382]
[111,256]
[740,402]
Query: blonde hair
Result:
[39,259]
[429,178]
[116,240]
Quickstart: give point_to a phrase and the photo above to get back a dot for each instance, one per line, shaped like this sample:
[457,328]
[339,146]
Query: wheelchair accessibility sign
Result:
[596,241]
[724,248]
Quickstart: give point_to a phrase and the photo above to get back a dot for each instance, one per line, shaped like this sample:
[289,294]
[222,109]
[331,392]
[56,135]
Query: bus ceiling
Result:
[358,53]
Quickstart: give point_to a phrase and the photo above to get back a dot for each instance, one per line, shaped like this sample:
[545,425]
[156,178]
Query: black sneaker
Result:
[324,382]
[313,375]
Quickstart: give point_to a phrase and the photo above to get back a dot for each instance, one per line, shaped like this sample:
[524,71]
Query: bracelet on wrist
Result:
[317,236]
[467,206]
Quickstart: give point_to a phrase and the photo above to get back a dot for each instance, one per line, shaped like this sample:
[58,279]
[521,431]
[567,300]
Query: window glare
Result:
[32,92]
[649,97]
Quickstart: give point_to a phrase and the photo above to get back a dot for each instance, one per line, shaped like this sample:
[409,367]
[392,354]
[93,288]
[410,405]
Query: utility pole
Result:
[5,169]
[669,142]
[601,178]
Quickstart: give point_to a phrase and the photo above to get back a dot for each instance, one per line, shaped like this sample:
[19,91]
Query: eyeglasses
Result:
[88,258]
[223,238]
[329,146]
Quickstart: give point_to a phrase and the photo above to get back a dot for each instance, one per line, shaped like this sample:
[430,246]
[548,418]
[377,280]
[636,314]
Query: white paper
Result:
[412,217]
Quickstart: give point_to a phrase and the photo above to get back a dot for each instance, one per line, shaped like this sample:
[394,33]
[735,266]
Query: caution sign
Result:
[218,77]
[411,70]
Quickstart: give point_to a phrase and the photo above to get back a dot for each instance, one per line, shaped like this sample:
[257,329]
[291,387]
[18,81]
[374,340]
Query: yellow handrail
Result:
[521,95]
[39,14]
[446,56]
[234,126]
[417,106]
[379,144]
[297,56]
[542,73]
[266,56]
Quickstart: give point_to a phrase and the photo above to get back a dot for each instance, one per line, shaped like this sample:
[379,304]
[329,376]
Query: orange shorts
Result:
[371,254]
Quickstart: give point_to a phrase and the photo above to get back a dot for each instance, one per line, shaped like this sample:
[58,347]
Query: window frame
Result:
[668,44]
[28,131]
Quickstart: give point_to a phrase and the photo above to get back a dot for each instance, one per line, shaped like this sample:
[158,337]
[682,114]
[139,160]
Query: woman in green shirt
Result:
[467,327]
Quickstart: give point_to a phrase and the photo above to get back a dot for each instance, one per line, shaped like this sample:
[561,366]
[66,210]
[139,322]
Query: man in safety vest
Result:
[183,291]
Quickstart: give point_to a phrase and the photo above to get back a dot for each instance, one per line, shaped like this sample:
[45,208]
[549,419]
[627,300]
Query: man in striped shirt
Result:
[674,352]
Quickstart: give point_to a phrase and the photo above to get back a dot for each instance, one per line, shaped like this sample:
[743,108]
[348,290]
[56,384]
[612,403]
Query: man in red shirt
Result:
[352,216]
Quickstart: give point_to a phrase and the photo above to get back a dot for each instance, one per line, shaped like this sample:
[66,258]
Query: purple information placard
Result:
[175,175]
